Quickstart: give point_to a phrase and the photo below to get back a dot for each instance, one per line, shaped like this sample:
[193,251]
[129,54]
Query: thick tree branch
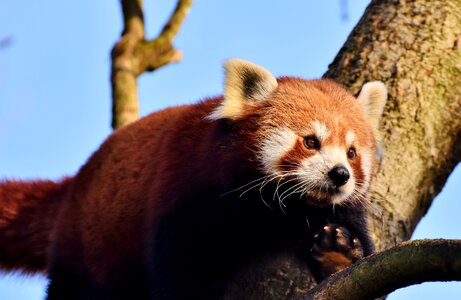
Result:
[132,55]
[403,265]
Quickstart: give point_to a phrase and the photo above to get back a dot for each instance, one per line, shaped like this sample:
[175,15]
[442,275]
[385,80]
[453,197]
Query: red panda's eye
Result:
[351,154]
[311,142]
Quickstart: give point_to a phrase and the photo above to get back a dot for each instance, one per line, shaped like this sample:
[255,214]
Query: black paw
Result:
[334,248]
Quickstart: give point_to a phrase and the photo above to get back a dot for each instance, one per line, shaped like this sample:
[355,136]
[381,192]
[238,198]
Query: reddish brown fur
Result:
[333,262]
[136,163]
[322,100]
[319,100]
[27,214]
[107,221]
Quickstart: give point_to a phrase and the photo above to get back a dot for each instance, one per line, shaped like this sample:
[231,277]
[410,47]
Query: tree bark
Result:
[409,263]
[133,55]
[413,47]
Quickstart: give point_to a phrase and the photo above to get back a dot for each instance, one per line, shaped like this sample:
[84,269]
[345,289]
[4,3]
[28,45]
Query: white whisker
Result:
[243,186]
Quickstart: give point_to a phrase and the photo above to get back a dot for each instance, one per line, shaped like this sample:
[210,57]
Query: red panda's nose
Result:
[339,175]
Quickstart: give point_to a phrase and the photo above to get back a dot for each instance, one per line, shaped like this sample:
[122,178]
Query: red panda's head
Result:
[312,133]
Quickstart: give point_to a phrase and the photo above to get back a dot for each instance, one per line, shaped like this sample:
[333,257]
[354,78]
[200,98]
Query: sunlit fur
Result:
[236,99]
[182,202]
[324,110]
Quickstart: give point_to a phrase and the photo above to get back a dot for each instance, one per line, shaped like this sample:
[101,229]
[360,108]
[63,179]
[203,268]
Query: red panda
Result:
[174,205]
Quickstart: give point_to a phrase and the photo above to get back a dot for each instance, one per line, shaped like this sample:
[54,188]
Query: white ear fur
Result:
[245,83]
[372,98]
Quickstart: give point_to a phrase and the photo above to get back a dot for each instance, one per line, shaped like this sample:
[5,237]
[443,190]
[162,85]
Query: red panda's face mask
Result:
[311,134]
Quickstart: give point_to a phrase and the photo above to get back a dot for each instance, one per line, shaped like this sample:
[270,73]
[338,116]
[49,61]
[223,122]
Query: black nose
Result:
[339,175]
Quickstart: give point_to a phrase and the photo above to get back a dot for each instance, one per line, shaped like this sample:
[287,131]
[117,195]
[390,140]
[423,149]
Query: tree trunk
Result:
[412,46]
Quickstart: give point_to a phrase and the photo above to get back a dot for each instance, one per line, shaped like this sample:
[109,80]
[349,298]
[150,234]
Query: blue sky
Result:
[55,93]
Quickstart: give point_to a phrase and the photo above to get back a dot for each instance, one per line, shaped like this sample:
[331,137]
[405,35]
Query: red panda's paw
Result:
[334,248]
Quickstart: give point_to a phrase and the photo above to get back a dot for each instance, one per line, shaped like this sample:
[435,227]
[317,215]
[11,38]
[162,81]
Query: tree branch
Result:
[133,17]
[132,55]
[403,265]
[171,28]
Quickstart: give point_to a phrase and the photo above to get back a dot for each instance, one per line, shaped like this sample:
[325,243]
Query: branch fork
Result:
[133,55]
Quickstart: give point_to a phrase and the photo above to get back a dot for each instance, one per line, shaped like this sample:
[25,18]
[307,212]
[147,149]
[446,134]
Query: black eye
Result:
[311,142]
[351,154]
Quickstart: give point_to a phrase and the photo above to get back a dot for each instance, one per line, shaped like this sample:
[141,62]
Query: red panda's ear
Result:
[245,84]
[372,98]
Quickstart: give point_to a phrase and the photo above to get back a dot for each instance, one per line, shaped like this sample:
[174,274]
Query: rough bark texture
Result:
[412,46]
[133,54]
[281,277]
[406,264]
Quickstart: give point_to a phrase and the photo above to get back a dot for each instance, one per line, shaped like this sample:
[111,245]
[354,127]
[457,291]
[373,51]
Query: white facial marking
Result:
[366,159]
[275,146]
[321,130]
[350,137]
[333,156]
[315,171]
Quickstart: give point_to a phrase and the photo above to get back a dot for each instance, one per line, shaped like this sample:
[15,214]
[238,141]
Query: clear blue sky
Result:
[55,93]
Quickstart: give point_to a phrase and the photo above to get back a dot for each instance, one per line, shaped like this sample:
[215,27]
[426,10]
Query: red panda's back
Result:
[117,189]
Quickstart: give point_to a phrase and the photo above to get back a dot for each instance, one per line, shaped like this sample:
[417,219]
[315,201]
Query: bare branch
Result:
[403,265]
[133,17]
[171,28]
[132,55]
[160,51]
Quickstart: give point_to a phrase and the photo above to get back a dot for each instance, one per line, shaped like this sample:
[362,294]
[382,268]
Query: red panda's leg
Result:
[334,249]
